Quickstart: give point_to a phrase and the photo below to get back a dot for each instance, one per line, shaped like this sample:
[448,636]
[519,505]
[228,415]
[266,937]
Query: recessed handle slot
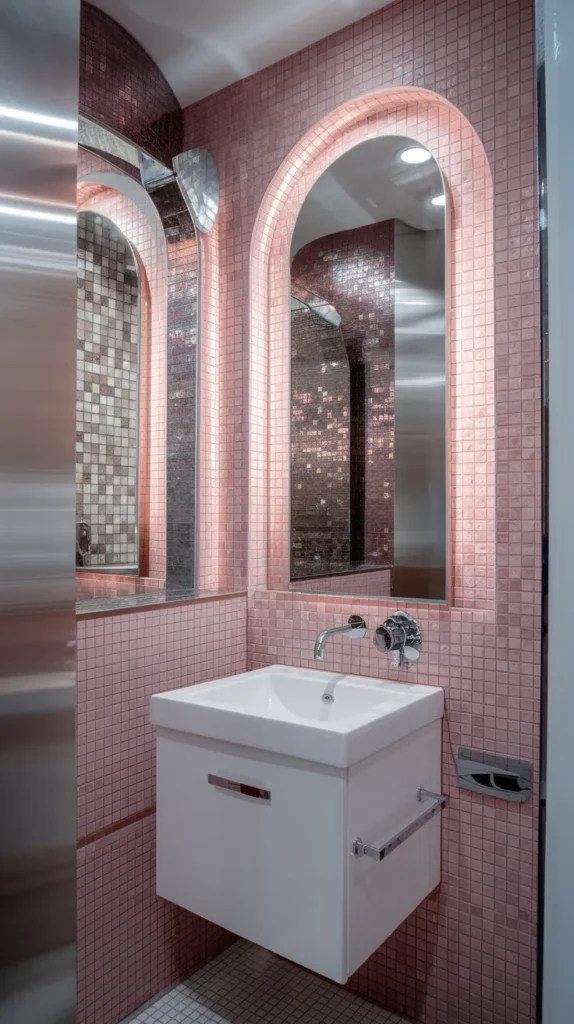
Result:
[239,787]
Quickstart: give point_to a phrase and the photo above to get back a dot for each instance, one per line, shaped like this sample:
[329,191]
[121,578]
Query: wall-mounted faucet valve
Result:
[400,635]
[83,542]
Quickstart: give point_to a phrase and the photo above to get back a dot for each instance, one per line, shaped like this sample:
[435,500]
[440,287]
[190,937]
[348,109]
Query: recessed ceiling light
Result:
[439,200]
[415,155]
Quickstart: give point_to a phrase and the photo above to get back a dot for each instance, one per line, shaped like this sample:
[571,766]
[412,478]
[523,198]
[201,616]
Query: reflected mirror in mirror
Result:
[137,342]
[368,377]
[108,354]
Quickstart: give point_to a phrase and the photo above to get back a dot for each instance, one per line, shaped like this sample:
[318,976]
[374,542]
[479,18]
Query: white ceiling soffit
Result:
[203,45]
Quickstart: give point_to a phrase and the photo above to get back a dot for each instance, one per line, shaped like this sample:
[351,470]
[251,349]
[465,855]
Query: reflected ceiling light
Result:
[37,140]
[18,211]
[415,155]
[439,200]
[32,117]
[420,382]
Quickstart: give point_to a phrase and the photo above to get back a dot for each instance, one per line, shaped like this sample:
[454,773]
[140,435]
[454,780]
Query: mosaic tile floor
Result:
[248,985]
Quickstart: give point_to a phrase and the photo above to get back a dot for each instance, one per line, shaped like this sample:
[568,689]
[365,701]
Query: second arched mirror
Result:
[368,377]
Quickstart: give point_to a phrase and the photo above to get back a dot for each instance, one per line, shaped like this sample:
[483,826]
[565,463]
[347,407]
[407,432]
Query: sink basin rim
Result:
[339,744]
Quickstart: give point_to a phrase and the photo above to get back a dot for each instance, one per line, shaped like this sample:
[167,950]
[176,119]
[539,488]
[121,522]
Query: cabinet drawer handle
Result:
[378,853]
[239,787]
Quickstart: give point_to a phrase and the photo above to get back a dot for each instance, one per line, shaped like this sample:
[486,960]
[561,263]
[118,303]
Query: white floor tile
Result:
[249,985]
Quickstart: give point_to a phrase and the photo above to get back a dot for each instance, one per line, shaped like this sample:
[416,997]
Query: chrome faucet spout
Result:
[355,628]
[319,652]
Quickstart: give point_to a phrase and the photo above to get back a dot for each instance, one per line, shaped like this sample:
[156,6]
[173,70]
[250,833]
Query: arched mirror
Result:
[368,377]
[108,386]
[138,333]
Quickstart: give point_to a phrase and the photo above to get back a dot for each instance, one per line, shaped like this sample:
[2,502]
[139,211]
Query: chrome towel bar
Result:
[361,849]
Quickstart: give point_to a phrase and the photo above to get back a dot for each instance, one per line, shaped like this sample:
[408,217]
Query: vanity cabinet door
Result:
[270,870]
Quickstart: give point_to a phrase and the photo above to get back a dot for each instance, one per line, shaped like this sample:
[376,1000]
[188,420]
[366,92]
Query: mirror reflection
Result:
[137,344]
[368,378]
[108,338]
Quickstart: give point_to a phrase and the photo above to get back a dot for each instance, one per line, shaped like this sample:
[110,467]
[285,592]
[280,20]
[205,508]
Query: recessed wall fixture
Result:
[415,155]
[439,200]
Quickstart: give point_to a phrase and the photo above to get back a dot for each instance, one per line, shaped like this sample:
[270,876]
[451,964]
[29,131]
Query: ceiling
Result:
[203,45]
[368,184]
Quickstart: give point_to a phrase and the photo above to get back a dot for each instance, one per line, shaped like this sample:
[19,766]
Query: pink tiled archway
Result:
[434,122]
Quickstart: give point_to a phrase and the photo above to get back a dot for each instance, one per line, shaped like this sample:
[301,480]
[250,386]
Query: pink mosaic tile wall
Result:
[131,944]
[109,585]
[434,122]
[373,583]
[458,76]
[354,272]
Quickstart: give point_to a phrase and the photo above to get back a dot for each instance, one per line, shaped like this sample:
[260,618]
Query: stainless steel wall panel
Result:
[420,414]
[39,58]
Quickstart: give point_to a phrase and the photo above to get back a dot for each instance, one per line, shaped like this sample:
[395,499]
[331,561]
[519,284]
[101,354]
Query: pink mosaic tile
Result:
[436,124]
[131,943]
[109,585]
[468,954]
[374,583]
[459,77]
[122,660]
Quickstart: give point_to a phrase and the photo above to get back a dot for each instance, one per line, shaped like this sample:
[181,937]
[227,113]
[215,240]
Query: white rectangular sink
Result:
[280,709]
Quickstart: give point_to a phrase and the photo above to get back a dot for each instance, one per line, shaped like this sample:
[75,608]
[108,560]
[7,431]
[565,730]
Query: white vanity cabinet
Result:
[261,842]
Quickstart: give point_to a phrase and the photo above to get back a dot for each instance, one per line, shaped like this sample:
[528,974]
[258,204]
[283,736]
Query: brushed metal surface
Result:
[101,139]
[39,58]
[243,788]
[420,414]
[199,182]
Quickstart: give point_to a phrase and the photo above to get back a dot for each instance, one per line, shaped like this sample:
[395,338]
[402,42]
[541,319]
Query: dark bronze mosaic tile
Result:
[121,87]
